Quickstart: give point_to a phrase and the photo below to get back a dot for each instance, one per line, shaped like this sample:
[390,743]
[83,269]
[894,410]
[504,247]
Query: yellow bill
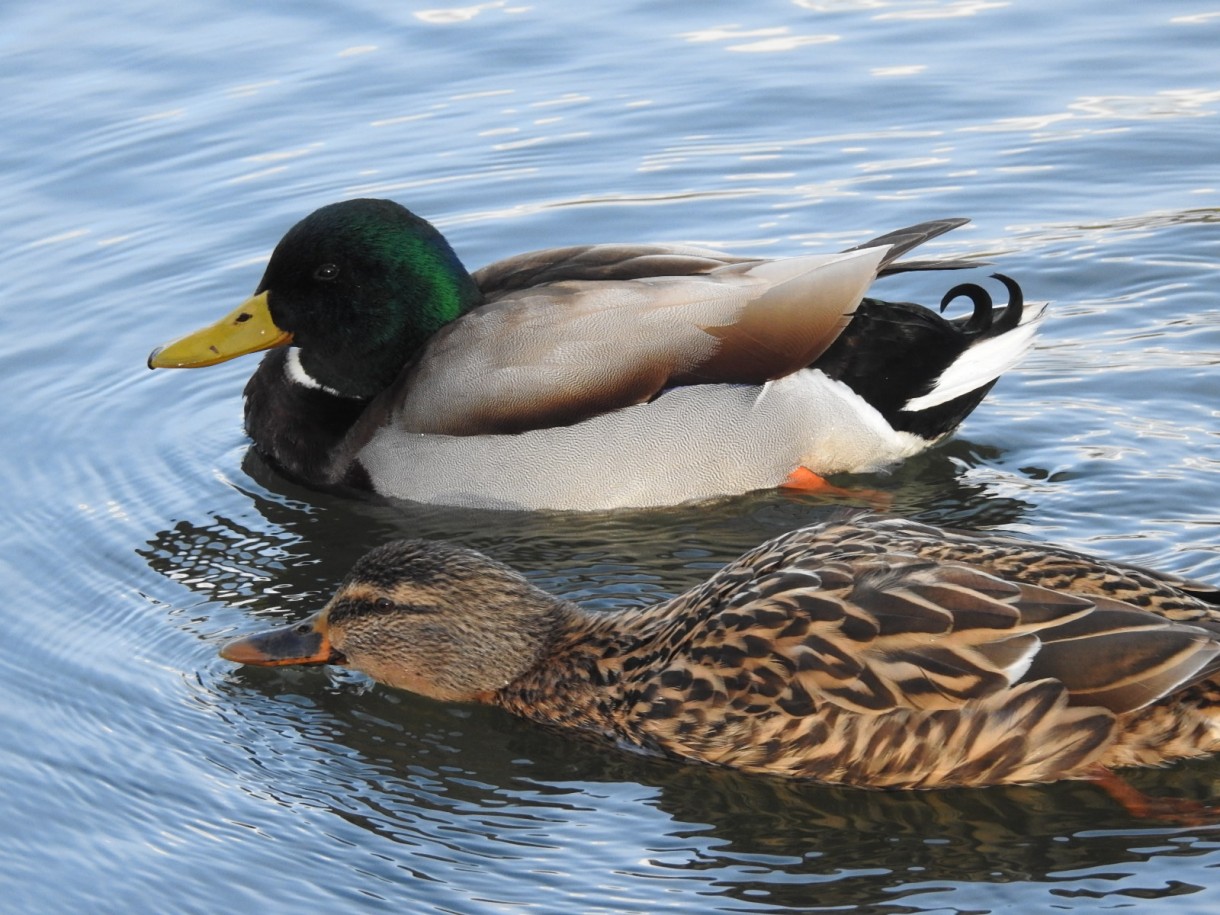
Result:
[246,329]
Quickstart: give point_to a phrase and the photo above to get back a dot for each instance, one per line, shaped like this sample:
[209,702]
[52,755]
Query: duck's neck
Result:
[581,679]
[296,423]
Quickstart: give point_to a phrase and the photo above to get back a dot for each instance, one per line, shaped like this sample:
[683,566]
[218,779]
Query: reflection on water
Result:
[289,546]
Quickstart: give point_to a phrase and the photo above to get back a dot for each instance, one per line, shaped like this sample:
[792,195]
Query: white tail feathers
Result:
[983,362]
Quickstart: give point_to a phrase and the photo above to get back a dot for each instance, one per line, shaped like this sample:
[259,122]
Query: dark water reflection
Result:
[303,541]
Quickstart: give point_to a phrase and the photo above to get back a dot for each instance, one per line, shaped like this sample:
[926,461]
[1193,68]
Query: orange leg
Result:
[804,480]
[1180,811]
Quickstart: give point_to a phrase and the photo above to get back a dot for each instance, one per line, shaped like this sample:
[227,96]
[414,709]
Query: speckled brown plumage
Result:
[869,652]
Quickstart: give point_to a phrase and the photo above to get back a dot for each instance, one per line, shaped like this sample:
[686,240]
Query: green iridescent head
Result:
[359,287]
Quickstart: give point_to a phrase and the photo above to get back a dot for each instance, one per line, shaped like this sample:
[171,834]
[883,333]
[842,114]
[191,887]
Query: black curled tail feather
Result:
[980,320]
[1016,304]
[892,352]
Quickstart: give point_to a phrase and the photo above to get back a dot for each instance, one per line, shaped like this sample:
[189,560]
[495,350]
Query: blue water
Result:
[154,153]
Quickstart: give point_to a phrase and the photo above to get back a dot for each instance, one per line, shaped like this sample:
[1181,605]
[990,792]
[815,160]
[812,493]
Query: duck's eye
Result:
[383,603]
[326,272]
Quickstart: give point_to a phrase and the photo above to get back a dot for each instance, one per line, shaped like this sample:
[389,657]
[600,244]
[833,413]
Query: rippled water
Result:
[153,154]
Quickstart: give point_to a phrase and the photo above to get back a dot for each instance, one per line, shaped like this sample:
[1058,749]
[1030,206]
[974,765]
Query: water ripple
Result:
[153,156]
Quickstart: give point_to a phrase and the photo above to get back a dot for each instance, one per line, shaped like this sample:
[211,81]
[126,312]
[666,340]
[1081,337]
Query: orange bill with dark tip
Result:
[305,643]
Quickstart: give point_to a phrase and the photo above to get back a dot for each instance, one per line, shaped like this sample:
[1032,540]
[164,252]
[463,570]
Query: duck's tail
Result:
[903,240]
[923,373]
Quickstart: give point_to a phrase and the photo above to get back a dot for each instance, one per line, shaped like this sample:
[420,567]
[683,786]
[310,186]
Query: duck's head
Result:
[430,617]
[359,287]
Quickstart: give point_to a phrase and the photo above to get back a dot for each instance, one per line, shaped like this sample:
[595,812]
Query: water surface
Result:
[153,155]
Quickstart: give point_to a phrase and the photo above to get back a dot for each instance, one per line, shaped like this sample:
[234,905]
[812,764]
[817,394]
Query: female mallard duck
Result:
[870,652]
[592,377]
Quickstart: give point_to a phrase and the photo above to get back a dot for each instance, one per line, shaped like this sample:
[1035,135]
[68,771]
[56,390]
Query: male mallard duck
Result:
[592,377]
[869,652]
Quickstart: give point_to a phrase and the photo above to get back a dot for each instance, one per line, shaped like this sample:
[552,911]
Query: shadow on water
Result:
[295,541]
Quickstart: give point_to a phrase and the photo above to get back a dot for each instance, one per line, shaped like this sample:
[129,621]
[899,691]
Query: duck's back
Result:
[565,351]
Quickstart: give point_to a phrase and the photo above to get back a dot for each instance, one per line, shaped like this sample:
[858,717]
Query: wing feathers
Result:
[567,334]
[885,653]
[557,354]
[1122,663]
[901,611]
[900,241]
[970,609]
[878,633]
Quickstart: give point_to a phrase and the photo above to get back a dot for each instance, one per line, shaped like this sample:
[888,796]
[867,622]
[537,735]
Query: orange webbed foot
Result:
[805,480]
[1179,811]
